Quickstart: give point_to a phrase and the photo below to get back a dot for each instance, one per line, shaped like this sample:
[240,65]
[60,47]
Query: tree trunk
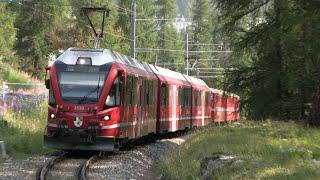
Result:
[279,58]
[314,120]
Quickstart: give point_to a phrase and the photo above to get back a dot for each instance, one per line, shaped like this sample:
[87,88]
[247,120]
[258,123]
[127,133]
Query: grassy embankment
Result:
[22,130]
[270,150]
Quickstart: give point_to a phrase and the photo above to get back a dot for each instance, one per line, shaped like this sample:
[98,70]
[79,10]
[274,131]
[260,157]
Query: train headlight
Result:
[52,116]
[84,61]
[106,118]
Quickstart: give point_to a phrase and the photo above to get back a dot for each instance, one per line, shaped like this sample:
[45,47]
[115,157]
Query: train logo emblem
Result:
[78,122]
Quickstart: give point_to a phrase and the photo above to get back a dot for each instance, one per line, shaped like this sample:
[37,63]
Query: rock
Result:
[315,161]
[238,162]
[210,165]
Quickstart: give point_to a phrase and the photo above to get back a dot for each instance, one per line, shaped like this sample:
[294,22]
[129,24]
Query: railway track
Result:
[82,169]
[82,174]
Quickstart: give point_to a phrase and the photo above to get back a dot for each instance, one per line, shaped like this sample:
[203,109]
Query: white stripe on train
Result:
[124,124]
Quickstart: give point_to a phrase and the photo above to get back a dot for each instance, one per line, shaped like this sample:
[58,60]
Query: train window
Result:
[207,98]
[128,90]
[113,98]
[184,98]
[181,94]
[134,91]
[197,97]
[147,93]
[151,93]
[164,95]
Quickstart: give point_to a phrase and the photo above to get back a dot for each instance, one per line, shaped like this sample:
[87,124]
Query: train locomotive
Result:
[100,99]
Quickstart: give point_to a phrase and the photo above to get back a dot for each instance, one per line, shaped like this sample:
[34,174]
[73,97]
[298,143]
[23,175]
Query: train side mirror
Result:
[47,83]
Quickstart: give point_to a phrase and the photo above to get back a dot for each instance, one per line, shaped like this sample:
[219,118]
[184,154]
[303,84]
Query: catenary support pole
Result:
[133,30]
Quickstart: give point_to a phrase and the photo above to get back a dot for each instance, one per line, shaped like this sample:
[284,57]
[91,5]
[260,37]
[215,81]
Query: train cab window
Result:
[113,98]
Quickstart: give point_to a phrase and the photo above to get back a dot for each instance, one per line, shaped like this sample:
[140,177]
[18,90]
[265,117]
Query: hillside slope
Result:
[266,150]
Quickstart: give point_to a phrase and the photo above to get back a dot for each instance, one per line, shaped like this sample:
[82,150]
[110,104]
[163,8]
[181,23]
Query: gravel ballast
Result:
[136,163]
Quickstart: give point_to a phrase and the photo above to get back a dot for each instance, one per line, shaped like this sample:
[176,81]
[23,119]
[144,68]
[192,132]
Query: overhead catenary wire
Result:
[165,19]
[177,50]
[47,13]
[154,28]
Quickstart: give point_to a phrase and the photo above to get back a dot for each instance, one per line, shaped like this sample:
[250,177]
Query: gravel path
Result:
[23,169]
[137,163]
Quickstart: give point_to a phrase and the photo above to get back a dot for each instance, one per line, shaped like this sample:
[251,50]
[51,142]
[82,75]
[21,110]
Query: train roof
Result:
[197,82]
[167,74]
[218,91]
[103,56]
[129,61]
[98,56]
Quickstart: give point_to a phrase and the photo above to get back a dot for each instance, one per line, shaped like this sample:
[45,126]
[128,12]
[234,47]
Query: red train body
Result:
[224,106]
[99,99]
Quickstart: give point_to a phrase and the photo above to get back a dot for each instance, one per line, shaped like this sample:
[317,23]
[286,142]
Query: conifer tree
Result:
[37,22]
[7,30]
[201,32]
[146,36]
[278,74]
[168,37]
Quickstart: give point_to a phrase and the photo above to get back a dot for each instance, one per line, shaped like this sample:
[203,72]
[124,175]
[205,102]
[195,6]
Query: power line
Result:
[176,50]
[160,49]
[209,59]
[164,19]
[123,37]
[204,44]
[155,28]
[107,32]
[218,72]
[216,69]
[217,76]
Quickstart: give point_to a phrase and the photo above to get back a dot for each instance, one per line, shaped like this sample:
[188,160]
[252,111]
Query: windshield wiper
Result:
[85,97]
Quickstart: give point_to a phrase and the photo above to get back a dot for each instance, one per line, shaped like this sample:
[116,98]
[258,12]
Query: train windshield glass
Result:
[81,84]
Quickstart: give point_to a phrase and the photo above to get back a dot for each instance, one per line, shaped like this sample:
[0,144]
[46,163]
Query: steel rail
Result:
[41,175]
[82,174]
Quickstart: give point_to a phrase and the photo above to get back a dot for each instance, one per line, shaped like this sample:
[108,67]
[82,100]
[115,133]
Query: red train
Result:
[100,99]
[225,106]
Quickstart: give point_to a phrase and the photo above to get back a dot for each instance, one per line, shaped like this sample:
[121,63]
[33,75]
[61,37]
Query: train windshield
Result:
[81,84]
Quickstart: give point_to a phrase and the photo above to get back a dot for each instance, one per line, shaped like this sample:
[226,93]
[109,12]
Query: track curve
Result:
[82,175]
[42,172]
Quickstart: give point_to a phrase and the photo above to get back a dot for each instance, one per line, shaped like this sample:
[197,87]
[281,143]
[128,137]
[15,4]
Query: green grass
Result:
[23,132]
[11,75]
[270,150]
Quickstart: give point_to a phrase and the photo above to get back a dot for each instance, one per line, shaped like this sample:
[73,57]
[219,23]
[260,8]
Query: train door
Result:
[140,104]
